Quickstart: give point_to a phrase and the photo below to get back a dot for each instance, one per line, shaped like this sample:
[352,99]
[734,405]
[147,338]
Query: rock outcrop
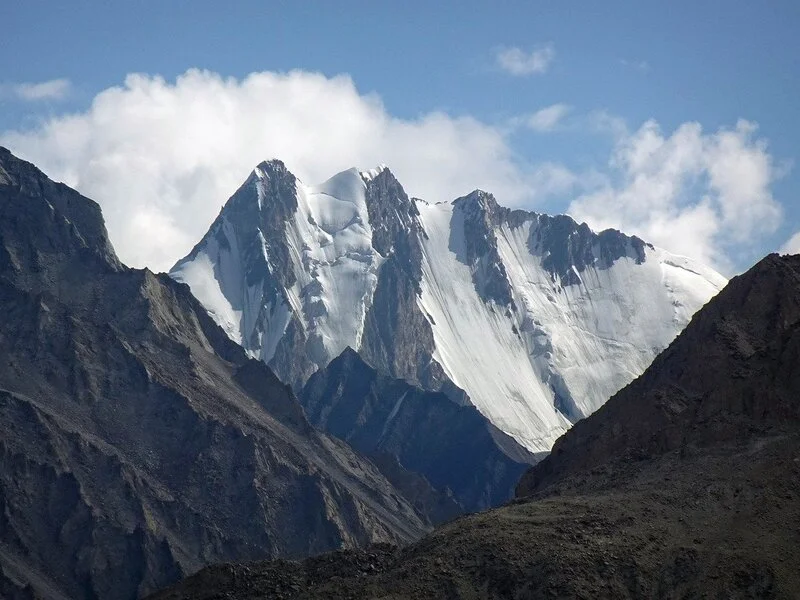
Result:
[455,448]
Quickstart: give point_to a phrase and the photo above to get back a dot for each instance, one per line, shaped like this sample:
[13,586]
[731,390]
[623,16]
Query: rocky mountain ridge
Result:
[731,374]
[453,447]
[139,442]
[494,307]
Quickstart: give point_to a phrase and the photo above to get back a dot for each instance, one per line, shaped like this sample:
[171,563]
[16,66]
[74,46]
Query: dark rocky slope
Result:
[734,373]
[455,448]
[686,484]
[138,443]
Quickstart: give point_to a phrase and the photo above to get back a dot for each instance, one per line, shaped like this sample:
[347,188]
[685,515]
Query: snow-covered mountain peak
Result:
[558,312]
[338,203]
[305,263]
[267,167]
[373,173]
[534,319]
[476,200]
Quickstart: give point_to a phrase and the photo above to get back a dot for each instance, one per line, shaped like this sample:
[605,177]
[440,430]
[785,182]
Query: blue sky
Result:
[603,69]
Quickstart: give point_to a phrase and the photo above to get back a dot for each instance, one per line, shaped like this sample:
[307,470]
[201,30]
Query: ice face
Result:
[567,332]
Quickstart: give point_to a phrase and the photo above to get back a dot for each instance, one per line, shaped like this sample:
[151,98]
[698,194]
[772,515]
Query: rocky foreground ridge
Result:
[138,442]
[686,484]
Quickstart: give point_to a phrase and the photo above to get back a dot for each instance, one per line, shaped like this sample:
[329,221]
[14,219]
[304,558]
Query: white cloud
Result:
[520,63]
[691,192]
[162,157]
[603,122]
[547,119]
[54,89]
[792,246]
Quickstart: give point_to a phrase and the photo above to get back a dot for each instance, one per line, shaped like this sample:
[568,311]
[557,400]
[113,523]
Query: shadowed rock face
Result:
[138,442]
[397,337]
[566,247]
[686,484]
[481,215]
[452,446]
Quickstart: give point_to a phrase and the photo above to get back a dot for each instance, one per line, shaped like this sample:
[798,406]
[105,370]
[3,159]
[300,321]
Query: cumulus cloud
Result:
[162,157]
[520,63]
[792,246]
[692,192]
[548,118]
[55,89]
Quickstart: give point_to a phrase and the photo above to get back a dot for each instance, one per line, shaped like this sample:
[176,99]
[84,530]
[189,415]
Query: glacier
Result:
[577,343]
[329,246]
[535,320]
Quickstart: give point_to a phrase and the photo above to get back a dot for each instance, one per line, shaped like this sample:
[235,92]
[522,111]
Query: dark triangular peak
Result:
[392,214]
[273,167]
[476,245]
[425,432]
[274,186]
[349,356]
[265,202]
[47,225]
[276,191]
[730,375]
[270,184]
[566,246]
[255,216]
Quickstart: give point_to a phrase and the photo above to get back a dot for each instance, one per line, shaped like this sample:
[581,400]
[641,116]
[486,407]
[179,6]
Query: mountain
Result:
[535,320]
[685,484]
[455,448]
[139,443]
[731,375]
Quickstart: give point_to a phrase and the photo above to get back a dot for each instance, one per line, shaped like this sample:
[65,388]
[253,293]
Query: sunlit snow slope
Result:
[536,318]
[324,277]
[559,350]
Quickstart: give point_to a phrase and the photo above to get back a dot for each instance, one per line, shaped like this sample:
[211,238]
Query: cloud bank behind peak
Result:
[162,157]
